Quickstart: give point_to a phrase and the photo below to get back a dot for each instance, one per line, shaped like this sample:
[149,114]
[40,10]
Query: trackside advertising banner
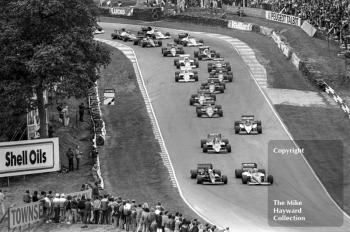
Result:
[283,18]
[126,11]
[86,193]
[29,157]
[24,214]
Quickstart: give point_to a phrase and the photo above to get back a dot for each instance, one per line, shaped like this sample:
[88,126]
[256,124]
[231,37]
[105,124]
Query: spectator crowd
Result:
[105,209]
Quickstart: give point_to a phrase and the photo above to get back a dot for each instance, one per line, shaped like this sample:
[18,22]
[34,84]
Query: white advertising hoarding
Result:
[24,214]
[29,157]
[283,18]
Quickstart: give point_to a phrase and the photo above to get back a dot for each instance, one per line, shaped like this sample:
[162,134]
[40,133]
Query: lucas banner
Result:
[29,157]
[24,214]
[283,18]
[126,11]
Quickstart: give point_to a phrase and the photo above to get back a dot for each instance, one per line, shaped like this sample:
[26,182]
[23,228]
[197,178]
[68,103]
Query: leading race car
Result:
[124,35]
[215,143]
[154,32]
[205,174]
[202,97]
[209,111]
[98,30]
[173,50]
[251,175]
[186,61]
[188,41]
[149,42]
[186,75]
[214,86]
[221,75]
[205,53]
[248,125]
[219,63]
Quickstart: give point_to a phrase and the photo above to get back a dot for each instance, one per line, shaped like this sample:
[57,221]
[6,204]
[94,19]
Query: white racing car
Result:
[248,125]
[215,143]
[251,175]
[188,41]
[186,75]
[186,61]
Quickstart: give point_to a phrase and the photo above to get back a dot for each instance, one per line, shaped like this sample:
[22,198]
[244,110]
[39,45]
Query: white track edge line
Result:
[170,165]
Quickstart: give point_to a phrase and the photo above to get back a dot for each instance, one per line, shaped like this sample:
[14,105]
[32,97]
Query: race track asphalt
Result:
[241,207]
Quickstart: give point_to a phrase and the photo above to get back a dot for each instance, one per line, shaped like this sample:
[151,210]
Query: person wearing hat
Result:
[56,207]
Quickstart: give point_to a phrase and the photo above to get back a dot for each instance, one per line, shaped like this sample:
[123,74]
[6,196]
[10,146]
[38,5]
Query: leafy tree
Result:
[46,45]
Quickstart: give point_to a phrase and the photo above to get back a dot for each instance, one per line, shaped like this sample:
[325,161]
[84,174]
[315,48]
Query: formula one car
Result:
[209,111]
[248,125]
[172,50]
[214,143]
[154,32]
[222,74]
[98,30]
[214,86]
[123,35]
[202,97]
[148,42]
[188,41]
[251,175]
[186,75]
[205,53]
[186,61]
[219,64]
[205,174]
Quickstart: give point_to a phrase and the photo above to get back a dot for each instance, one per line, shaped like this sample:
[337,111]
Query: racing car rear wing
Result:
[247,117]
[218,59]
[184,55]
[249,165]
[204,166]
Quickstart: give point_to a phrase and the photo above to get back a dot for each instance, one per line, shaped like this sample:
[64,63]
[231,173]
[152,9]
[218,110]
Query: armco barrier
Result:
[295,60]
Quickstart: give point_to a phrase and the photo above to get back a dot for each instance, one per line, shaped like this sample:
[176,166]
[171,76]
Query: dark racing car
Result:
[205,174]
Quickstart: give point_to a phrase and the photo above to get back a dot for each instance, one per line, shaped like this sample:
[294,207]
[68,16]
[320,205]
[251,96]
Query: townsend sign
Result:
[283,18]
[28,157]
[24,214]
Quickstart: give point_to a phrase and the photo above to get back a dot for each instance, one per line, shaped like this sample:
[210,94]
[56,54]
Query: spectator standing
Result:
[50,131]
[88,210]
[2,203]
[81,208]
[74,210]
[35,196]
[78,155]
[68,208]
[164,220]
[62,201]
[110,206]
[194,226]
[27,198]
[184,226]
[56,207]
[167,224]
[104,208]
[46,206]
[81,112]
[121,215]
[178,223]
[159,221]
[96,209]
[172,223]
[70,156]
[144,220]
[139,211]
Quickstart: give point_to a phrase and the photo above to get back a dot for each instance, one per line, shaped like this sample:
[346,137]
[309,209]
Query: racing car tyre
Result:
[143,44]
[214,97]
[205,148]
[230,78]
[176,41]
[244,179]
[224,179]
[270,179]
[191,101]
[201,41]
[199,114]
[193,174]
[228,147]
[225,141]
[199,57]
[167,34]
[219,107]
[222,90]
[229,67]
[262,171]
[182,51]
[203,141]
[217,55]
[199,180]
[237,128]
[160,43]
[259,128]
[125,39]
[238,173]
[176,78]
[221,113]
[195,77]
[224,85]
[178,65]
[195,54]
[196,63]
[176,61]
[136,42]
[210,67]
[184,43]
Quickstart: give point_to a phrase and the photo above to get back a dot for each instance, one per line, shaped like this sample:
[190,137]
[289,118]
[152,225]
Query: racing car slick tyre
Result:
[136,42]
[237,129]
[143,44]
[214,97]
[125,39]
[182,51]
[229,67]
[160,43]
[167,34]
[217,55]
[199,114]
[199,180]
[205,148]
[191,101]
[185,44]
[176,78]
[238,173]
[203,141]
[230,78]
[193,174]
[228,147]
[219,107]
[196,63]
[224,85]
[176,61]
[222,90]
[259,128]
[244,179]
[221,113]
[270,179]
[224,179]
[262,171]
[196,77]
[225,141]
[195,54]
[199,57]
[176,41]
[201,41]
